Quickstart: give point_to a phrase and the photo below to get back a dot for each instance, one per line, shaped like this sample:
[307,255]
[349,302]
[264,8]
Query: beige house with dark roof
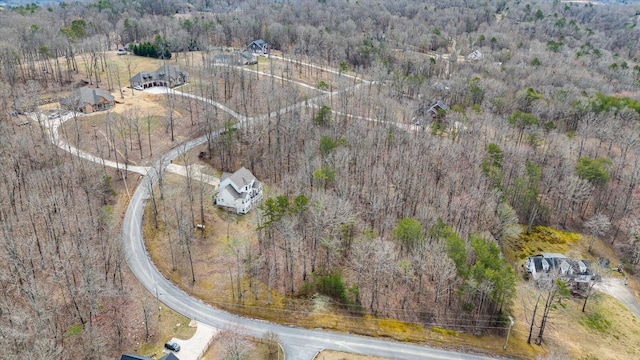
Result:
[238,192]
[88,100]
[166,75]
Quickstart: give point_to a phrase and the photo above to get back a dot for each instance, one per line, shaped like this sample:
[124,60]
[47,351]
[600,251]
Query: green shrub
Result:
[332,285]
[329,284]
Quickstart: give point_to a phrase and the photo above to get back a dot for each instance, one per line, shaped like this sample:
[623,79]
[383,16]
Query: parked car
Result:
[173,346]
[122,52]
[138,87]
[54,116]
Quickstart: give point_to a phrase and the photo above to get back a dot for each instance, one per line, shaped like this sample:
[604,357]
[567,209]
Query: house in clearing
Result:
[166,75]
[88,100]
[425,115]
[436,108]
[238,192]
[258,47]
[550,265]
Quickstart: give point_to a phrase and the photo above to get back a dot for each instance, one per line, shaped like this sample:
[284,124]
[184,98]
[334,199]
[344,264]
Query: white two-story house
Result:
[239,192]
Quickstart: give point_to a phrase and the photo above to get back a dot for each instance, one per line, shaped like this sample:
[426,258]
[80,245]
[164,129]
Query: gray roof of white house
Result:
[475,55]
[242,177]
[552,255]
[86,96]
[234,193]
[237,58]
[167,71]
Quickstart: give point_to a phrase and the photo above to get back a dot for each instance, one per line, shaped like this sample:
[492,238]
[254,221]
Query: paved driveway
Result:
[194,348]
[616,288]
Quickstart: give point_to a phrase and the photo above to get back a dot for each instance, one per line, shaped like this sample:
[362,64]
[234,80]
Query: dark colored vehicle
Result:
[172,346]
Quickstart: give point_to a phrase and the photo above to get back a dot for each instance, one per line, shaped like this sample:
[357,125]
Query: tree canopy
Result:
[594,170]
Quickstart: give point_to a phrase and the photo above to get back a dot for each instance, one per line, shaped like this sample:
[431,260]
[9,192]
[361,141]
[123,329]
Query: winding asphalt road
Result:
[298,343]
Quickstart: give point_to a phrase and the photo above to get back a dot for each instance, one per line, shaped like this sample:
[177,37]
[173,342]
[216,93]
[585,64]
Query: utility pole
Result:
[533,319]
[506,342]
[158,301]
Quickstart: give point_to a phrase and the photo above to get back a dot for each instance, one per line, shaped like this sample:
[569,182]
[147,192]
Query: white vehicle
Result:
[138,87]
[122,52]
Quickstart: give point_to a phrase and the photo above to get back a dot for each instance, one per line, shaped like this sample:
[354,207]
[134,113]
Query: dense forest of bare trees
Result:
[542,130]
[525,143]
[63,276]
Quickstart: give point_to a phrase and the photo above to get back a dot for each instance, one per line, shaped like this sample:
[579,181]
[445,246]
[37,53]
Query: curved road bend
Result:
[298,343]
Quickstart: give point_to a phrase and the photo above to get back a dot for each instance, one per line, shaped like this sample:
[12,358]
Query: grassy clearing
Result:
[170,324]
[606,330]
[596,321]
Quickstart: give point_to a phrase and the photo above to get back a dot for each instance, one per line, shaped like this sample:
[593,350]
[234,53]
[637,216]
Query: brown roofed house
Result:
[88,100]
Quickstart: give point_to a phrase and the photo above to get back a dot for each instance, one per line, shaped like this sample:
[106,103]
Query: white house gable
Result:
[239,192]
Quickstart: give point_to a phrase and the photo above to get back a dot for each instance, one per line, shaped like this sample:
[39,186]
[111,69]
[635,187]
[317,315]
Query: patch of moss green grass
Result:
[539,239]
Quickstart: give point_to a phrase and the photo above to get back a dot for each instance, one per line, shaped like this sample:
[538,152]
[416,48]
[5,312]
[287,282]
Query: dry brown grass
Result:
[569,331]
[141,106]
